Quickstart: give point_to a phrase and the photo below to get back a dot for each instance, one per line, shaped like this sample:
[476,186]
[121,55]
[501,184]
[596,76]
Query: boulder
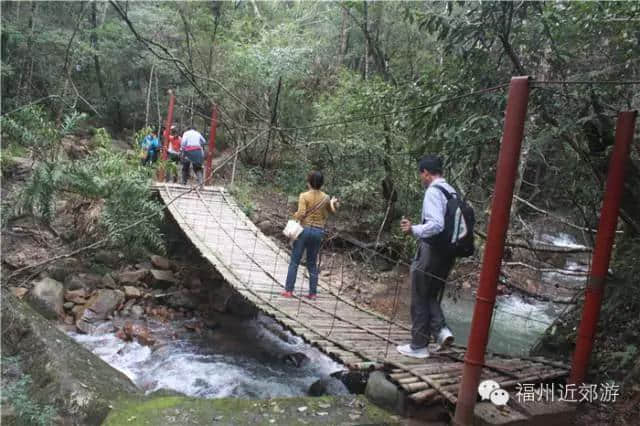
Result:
[108,282]
[137,311]
[159,278]
[79,297]
[296,359]
[131,292]
[383,393]
[160,262]
[133,277]
[82,280]
[79,385]
[268,227]
[98,308]
[327,386]
[61,269]
[355,381]
[108,257]
[181,300]
[47,297]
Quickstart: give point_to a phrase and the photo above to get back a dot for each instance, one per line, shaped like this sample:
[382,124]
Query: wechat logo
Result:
[490,389]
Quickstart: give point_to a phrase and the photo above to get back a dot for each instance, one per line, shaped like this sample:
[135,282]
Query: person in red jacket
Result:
[174,154]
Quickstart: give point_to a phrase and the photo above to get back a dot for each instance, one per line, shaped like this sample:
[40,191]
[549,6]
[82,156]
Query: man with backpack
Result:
[446,232]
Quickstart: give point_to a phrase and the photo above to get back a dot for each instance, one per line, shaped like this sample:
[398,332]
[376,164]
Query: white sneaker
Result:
[445,338]
[406,350]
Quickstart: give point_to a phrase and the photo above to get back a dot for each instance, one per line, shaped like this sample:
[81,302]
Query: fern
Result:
[114,177]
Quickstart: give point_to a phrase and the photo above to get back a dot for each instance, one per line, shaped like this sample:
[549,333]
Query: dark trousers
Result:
[310,240]
[171,175]
[195,158]
[429,270]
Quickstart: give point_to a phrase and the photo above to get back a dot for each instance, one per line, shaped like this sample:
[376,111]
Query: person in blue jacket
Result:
[151,145]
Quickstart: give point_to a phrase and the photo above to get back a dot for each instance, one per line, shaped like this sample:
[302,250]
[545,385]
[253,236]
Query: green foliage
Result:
[15,391]
[107,176]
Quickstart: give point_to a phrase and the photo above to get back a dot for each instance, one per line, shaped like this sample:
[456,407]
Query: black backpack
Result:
[456,239]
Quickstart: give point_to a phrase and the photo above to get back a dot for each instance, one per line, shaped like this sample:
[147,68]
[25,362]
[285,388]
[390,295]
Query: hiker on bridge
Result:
[431,266]
[314,207]
[192,153]
[174,154]
[150,146]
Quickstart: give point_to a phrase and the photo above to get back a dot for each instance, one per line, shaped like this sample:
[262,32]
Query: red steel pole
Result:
[499,221]
[167,132]
[212,142]
[167,127]
[604,243]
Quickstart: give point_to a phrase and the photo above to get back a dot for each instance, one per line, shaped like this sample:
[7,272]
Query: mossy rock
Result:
[178,410]
[79,385]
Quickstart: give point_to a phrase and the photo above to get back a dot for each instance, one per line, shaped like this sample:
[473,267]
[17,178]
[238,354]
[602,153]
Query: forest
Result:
[358,89]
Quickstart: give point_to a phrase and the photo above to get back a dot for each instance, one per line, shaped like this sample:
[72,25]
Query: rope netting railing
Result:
[335,268]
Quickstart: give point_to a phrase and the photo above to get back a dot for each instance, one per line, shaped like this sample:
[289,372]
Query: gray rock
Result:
[161,279]
[61,269]
[108,257]
[160,262]
[79,385]
[181,300]
[68,305]
[98,308]
[133,277]
[328,386]
[355,381]
[131,292]
[137,311]
[109,282]
[82,280]
[268,227]
[47,297]
[79,296]
[297,359]
[382,392]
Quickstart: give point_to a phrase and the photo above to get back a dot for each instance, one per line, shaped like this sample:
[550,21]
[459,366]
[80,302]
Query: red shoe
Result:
[311,296]
[288,294]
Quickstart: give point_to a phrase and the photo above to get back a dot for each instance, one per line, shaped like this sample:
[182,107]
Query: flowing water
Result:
[243,360]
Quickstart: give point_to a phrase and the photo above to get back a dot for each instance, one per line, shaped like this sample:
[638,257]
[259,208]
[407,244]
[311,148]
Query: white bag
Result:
[293,230]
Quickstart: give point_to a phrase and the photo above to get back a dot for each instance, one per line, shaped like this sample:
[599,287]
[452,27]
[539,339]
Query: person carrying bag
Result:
[306,231]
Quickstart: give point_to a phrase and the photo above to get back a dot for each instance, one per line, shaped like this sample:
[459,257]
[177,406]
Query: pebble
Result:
[302,409]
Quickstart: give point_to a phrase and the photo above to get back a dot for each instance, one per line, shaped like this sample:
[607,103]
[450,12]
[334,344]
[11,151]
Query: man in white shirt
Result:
[192,153]
[430,267]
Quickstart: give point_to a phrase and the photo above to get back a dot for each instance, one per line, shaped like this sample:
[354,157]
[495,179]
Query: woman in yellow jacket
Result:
[314,207]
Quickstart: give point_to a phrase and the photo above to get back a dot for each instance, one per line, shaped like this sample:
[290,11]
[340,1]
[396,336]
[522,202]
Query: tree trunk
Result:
[343,38]
[274,117]
[146,116]
[365,26]
[94,46]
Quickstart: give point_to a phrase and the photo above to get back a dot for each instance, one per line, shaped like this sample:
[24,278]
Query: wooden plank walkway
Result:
[354,335]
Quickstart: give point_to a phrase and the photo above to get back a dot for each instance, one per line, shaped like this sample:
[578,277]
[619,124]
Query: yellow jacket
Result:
[307,201]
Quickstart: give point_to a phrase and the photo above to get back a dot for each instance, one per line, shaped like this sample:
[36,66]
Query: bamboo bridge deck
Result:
[357,337]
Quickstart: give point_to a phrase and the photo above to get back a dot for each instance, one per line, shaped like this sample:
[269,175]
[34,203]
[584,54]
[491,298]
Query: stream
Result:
[251,358]
[244,359]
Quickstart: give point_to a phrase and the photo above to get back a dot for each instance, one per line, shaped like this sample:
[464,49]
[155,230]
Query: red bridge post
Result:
[604,243]
[494,249]
[212,143]
[166,133]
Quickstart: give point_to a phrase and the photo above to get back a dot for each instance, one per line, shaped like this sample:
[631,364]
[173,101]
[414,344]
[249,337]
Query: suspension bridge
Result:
[256,267]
